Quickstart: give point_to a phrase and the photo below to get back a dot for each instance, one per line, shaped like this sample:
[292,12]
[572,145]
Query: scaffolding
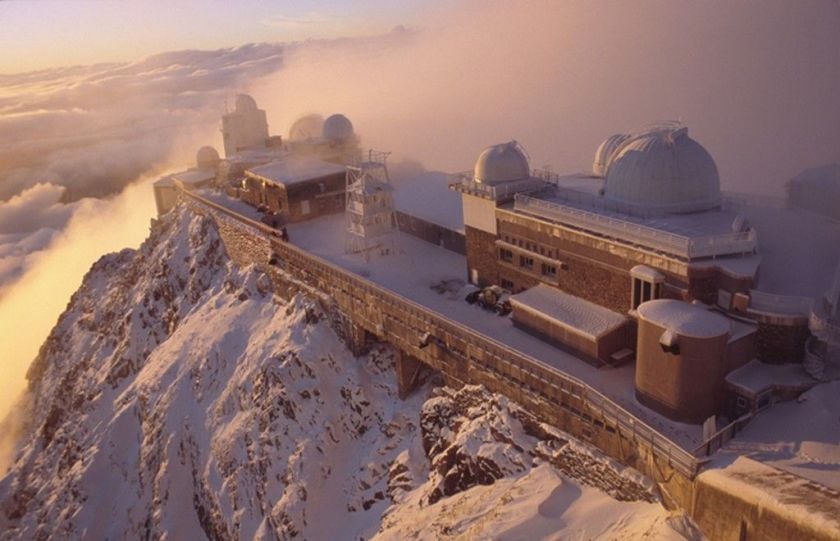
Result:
[369,212]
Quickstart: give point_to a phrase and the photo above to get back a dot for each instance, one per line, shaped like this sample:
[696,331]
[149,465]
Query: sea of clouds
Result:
[88,131]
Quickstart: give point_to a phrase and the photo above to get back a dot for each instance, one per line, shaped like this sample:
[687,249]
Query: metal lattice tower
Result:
[369,211]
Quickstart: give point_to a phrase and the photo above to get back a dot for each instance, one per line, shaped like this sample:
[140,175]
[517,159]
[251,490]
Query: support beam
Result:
[408,372]
[356,338]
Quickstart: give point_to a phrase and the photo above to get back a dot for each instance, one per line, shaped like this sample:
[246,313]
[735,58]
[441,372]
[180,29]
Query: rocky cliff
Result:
[179,398]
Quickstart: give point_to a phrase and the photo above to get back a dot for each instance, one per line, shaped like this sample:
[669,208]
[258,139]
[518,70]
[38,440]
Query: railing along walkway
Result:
[514,365]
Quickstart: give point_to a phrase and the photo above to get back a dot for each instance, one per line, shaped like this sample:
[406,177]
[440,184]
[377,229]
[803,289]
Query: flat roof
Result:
[577,191]
[684,319]
[573,313]
[290,170]
[426,195]
[195,176]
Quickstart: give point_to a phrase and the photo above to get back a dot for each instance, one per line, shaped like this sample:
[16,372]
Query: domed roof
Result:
[664,168]
[206,157]
[244,102]
[606,152]
[505,162]
[337,128]
[306,127]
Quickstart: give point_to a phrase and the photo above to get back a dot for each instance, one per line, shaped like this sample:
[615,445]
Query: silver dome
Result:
[337,128]
[505,162]
[206,157]
[306,127]
[664,168]
[244,102]
[606,152]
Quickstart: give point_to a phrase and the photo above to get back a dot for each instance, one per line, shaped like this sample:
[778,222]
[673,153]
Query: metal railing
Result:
[722,436]
[464,182]
[525,372]
[679,246]
[779,304]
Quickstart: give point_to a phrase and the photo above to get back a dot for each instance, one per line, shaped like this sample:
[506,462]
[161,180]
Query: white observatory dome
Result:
[206,157]
[306,127]
[664,168]
[505,162]
[606,152]
[244,102]
[337,128]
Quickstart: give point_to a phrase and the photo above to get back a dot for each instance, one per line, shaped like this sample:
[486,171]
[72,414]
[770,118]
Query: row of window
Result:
[527,263]
[531,246]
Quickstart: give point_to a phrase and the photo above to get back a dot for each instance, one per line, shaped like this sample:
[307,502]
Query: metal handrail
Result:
[682,459]
[780,304]
[661,241]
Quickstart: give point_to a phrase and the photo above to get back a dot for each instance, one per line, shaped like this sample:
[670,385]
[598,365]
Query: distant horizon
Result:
[52,35]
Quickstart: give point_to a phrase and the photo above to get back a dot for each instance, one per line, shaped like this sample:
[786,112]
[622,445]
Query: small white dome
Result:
[306,127]
[206,157]
[505,162]
[664,168]
[606,152]
[337,128]
[244,103]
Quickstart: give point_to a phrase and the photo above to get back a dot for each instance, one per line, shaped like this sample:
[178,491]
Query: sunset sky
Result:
[49,33]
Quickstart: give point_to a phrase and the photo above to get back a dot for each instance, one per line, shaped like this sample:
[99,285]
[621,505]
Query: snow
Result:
[427,195]
[800,436]
[398,272]
[572,312]
[756,376]
[539,504]
[291,170]
[787,495]
[195,176]
[177,398]
[683,318]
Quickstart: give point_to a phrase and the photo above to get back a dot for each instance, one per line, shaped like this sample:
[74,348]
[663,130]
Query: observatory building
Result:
[640,260]
[637,258]
[289,181]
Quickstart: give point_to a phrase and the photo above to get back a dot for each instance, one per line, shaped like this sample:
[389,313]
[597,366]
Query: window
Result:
[505,255]
[507,284]
[646,285]
[549,270]
[526,262]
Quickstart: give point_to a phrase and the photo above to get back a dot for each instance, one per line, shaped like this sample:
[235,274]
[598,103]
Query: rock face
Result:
[474,437]
[178,398]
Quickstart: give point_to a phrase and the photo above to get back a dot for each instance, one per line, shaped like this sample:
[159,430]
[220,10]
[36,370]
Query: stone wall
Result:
[431,232]
[781,340]
[481,255]
[757,502]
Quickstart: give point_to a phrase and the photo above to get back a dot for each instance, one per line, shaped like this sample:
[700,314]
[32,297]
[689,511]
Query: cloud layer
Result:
[88,131]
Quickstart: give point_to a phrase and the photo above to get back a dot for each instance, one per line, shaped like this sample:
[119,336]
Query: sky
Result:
[39,34]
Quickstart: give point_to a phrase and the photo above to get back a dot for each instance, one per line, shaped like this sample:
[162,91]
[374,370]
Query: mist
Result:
[30,310]
[757,84]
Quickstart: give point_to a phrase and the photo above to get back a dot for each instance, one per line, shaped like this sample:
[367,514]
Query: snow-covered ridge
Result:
[178,398]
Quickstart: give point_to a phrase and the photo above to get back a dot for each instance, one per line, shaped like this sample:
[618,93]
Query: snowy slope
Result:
[177,398]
